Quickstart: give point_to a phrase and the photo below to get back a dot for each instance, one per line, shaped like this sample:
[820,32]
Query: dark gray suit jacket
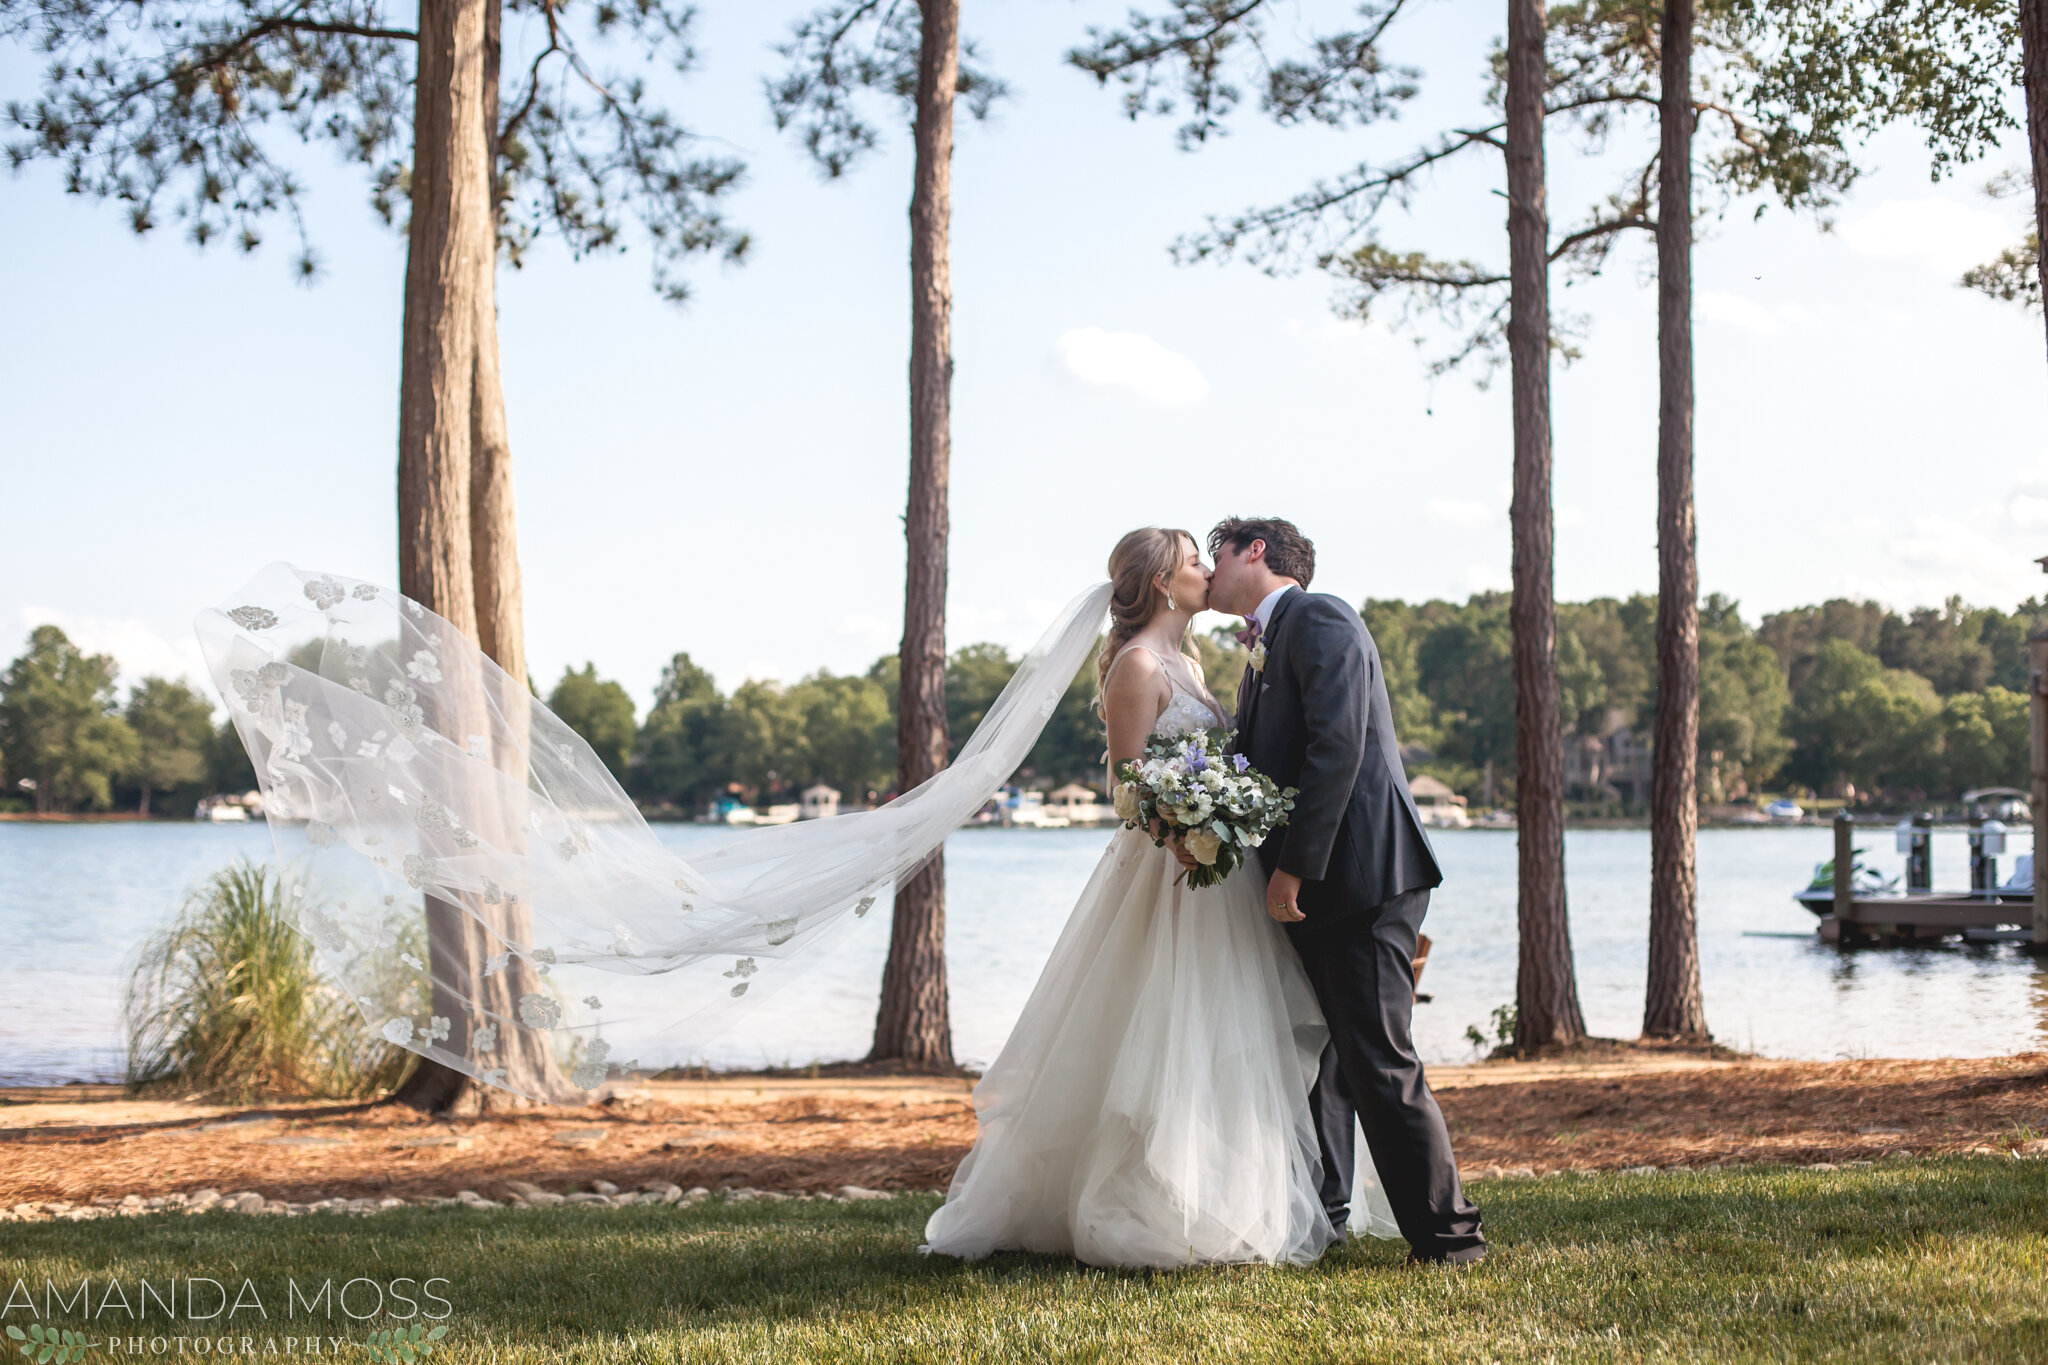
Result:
[1318,719]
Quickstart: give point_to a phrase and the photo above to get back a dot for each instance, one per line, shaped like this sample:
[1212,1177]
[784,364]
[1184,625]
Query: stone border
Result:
[518,1194]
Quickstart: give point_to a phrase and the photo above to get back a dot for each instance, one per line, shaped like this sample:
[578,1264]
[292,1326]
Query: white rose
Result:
[1213,780]
[1126,801]
[1204,844]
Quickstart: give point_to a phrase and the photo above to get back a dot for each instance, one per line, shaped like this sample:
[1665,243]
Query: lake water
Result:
[76,902]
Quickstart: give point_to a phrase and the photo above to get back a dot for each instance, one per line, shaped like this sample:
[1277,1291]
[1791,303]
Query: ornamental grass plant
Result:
[228,1004]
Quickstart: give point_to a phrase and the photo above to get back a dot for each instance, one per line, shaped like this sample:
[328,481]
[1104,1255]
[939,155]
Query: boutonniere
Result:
[1258,657]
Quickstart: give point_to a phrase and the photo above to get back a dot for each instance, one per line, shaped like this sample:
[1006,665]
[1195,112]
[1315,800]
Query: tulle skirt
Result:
[1151,1106]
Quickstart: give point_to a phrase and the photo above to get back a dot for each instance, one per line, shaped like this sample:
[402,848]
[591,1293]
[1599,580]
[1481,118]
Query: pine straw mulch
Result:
[908,1132]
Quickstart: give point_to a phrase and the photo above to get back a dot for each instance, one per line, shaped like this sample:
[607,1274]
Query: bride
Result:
[1151,1105]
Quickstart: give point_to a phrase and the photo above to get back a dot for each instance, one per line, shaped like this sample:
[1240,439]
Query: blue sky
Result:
[727,478]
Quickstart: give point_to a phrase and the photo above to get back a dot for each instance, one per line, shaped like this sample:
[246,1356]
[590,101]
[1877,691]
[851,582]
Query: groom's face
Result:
[1230,588]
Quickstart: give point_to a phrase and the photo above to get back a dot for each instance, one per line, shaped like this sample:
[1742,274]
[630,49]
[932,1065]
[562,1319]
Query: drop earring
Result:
[1171,605]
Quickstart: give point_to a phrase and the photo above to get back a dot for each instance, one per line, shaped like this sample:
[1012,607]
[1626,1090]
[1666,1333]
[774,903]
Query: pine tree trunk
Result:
[442,275]
[494,538]
[2034,62]
[914,1022]
[1672,1006]
[448,298]
[143,809]
[1546,991]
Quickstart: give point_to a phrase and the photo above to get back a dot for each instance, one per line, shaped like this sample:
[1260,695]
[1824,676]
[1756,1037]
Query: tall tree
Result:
[1644,51]
[914,55]
[599,710]
[1547,1010]
[58,725]
[173,728]
[1674,1005]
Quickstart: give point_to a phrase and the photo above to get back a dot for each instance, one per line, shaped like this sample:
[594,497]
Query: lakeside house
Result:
[1610,767]
[1080,805]
[1439,806]
[818,802]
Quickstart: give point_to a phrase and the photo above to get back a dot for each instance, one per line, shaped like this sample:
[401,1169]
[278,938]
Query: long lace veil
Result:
[475,877]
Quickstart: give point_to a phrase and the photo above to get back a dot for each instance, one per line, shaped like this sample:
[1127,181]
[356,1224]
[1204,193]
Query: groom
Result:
[1350,874]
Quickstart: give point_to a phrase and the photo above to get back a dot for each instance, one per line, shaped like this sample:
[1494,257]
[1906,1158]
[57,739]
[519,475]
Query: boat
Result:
[1785,810]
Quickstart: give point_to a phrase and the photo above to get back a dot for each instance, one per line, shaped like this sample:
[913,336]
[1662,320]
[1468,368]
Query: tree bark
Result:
[1672,1005]
[914,1021]
[494,531]
[449,309]
[2034,62]
[494,538]
[1546,990]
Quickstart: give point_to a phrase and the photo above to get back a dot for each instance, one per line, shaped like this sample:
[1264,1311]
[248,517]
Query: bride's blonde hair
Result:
[1135,566]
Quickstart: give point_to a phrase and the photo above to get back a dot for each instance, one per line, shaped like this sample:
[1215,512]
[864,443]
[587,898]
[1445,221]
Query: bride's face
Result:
[1188,585]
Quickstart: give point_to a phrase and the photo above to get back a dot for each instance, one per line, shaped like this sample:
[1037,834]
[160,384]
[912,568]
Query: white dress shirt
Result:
[1264,615]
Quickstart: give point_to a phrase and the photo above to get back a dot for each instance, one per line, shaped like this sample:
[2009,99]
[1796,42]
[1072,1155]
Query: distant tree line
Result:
[1844,697]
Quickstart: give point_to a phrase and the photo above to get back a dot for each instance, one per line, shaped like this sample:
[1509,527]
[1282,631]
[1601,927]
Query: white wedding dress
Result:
[1151,1105]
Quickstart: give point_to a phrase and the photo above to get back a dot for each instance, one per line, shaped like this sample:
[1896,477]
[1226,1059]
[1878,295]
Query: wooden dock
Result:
[1988,912]
[1933,915]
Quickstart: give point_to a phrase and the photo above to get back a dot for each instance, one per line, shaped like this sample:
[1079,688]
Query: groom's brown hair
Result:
[1289,553]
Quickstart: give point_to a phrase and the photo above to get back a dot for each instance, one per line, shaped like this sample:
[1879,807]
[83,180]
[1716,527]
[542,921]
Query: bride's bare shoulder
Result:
[1134,673]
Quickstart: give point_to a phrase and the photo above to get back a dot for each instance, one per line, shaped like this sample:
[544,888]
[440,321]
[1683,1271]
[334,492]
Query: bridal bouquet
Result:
[1216,802]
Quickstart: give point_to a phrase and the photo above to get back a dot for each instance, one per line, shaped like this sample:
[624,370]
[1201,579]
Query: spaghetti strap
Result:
[1126,650]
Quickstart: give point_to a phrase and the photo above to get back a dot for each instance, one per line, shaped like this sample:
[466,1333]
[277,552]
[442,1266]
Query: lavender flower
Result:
[1242,762]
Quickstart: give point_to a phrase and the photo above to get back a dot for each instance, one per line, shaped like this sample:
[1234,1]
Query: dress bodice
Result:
[1187,714]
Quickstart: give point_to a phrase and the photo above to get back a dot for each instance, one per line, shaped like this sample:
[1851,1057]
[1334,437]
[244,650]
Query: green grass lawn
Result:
[1908,1260]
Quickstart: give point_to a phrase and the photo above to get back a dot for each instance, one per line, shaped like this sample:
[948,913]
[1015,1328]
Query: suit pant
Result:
[1363,972]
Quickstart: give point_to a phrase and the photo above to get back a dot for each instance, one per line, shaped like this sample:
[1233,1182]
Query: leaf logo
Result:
[396,1345]
[43,1345]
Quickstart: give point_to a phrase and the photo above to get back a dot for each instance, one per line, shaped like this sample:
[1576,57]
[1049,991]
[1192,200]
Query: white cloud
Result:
[1133,362]
[1936,235]
[1480,578]
[136,646]
[1457,512]
[2028,510]
[1737,311]
[1940,556]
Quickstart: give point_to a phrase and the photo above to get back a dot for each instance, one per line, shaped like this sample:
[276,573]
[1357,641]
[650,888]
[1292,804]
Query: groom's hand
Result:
[1174,844]
[1282,895]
